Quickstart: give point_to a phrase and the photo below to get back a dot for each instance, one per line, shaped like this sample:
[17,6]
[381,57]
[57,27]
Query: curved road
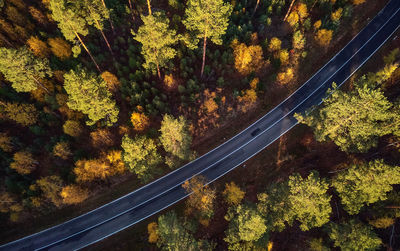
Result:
[154,197]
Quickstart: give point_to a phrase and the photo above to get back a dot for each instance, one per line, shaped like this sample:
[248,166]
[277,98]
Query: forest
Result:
[100,97]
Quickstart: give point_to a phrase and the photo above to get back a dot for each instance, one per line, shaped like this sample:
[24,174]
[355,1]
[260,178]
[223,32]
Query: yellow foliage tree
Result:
[247,100]
[60,48]
[254,83]
[114,158]
[358,2]
[275,44]
[73,194]
[73,128]
[140,121]
[170,82]
[23,114]
[111,80]
[102,138]
[94,169]
[62,150]
[286,76]
[335,16]
[38,47]
[248,58]
[5,142]
[23,163]
[324,37]
[293,19]
[317,24]
[284,57]
[152,229]
[233,194]
[51,187]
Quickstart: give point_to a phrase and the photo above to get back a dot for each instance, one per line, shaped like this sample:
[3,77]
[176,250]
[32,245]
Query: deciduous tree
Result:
[139,121]
[23,163]
[72,128]
[88,93]
[62,150]
[248,59]
[365,183]
[23,69]
[51,186]
[141,156]
[60,48]
[73,194]
[233,194]
[23,114]
[95,169]
[38,47]
[112,81]
[209,19]
[324,37]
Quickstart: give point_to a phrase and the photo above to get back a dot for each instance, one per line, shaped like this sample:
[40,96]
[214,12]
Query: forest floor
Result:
[291,148]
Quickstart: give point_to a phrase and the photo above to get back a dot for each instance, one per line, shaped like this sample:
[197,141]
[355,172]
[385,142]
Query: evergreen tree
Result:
[365,183]
[70,22]
[157,41]
[23,69]
[354,235]
[141,156]
[88,93]
[209,19]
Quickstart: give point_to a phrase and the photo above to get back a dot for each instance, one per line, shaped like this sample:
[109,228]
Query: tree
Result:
[5,142]
[246,227]
[62,150]
[94,12]
[23,163]
[141,156]
[23,114]
[102,138]
[233,194]
[51,187]
[177,234]
[139,121]
[9,204]
[275,44]
[60,48]
[248,59]
[201,199]
[209,19]
[95,169]
[157,40]
[309,200]
[71,24]
[73,194]
[152,228]
[324,37]
[38,47]
[88,93]
[354,235]
[175,136]
[247,100]
[23,69]
[354,121]
[72,128]
[365,183]
[112,81]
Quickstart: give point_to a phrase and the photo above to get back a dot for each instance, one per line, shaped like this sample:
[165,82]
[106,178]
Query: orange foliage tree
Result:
[102,138]
[285,77]
[38,47]
[152,228]
[23,163]
[60,48]
[324,37]
[73,194]
[111,81]
[51,187]
[62,150]
[140,121]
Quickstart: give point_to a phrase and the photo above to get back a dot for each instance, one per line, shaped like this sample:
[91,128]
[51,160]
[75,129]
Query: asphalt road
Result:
[156,196]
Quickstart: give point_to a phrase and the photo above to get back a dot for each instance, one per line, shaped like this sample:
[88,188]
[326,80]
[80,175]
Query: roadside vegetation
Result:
[97,92]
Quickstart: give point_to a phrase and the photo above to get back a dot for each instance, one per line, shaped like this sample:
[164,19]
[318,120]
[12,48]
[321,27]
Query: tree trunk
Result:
[149,6]
[87,50]
[108,44]
[41,85]
[289,10]
[131,8]
[255,8]
[109,19]
[158,71]
[204,53]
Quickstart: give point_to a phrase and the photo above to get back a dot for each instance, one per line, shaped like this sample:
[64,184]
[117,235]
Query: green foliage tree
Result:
[209,19]
[354,235]
[23,69]
[141,156]
[173,234]
[354,121]
[88,93]
[246,227]
[70,22]
[175,136]
[157,40]
[365,183]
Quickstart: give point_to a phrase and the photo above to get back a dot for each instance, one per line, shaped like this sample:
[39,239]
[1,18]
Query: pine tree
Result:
[141,156]
[365,183]
[71,24]
[23,69]
[157,40]
[209,19]
[88,93]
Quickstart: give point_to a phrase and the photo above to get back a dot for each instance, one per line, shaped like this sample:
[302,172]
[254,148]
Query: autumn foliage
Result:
[73,194]
[23,163]
[139,121]
[247,58]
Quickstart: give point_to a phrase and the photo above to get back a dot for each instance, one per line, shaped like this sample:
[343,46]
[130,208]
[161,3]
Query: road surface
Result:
[154,197]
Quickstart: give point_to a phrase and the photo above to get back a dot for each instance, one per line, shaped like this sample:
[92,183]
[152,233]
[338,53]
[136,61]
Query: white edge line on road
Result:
[170,173]
[91,227]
